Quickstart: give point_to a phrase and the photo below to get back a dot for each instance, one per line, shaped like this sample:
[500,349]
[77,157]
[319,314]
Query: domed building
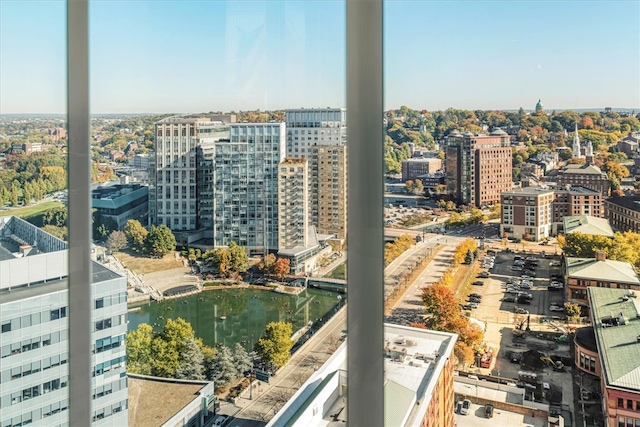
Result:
[539,107]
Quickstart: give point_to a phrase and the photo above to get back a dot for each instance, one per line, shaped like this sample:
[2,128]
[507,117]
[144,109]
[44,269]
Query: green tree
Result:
[239,258]
[59,232]
[136,235]
[468,259]
[266,264]
[117,240]
[409,186]
[275,345]
[219,259]
[418,186]
[191,361]
[160,240]
[15,193]
[139,356]
[55,216]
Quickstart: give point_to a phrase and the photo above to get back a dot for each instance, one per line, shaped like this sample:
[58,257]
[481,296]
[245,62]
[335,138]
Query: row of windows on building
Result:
[108,343]
[33,319]
[32,392]
[32,368]
[37,415]
[628,422]
[587,362]
[110,410]
[33,343]
[110,300]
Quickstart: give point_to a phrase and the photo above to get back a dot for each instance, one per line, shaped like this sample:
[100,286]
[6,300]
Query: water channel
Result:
[230,316]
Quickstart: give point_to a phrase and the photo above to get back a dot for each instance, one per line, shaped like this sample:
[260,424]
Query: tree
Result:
[440,302]
[191,357]
[225,369]
[139,356]
[409,186]
[281,267]
[418,186]
[136,235]
[241,359]
[239,258]
[160,240]
[477,216]
[572,310]
[116,241]
[468,259]
[219,259]
[266,264]
[275,345]
[59,232]
[15,193]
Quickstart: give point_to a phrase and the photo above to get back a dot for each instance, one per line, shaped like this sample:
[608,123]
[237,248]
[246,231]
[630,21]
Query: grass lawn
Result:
[340,272]
[143,265]
[28,211]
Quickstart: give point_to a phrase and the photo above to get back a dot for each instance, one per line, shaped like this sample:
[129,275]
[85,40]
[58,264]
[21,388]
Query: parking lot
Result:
[505,307]
[500,418]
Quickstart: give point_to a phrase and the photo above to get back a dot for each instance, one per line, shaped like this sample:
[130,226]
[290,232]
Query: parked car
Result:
[478,283]
[516,268]
[465,409]
[488,411]
[474,299]
[556,308]
[521,311]
[474,295]
[484,275]
[554,264]
[509,299]
[473,305]
[219,420]
[525,286]
[524,301]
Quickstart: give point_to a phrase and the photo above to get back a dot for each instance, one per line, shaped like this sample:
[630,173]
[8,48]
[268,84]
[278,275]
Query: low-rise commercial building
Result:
[585,175]
[121,202]
[587,224]
[600,272]
[416,167]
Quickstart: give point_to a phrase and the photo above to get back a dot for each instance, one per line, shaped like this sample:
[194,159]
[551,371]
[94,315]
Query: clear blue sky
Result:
[190,56]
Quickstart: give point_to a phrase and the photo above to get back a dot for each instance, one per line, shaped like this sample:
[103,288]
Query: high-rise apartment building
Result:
[315,126]
[329,190]
[293,209]
[245,186]
[478,167]
[34,339]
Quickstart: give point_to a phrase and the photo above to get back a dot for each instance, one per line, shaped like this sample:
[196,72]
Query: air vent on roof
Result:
[411,343]
[625,298]
[609,321]
[638,338]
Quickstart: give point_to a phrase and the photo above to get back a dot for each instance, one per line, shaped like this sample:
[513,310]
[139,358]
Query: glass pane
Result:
[33,220]
[219,163]
[484,114]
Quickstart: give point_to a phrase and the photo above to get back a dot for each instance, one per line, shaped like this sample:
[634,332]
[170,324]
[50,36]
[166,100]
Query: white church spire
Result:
[576,143]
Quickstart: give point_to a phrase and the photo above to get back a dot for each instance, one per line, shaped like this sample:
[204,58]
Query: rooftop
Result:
[632,202]
[99,273]
[605,270]
[114,196]
[414,359]
[293,160]
[152,403]
[618,346]
[529,191]
[583,169]
[587,224]
[422,160]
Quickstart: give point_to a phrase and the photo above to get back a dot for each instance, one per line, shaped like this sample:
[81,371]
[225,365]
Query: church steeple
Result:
[589,152]
[576,143]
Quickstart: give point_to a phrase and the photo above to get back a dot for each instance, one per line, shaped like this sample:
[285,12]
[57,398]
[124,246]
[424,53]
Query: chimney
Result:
[601,256]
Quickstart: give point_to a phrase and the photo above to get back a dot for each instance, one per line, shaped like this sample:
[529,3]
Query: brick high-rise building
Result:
[328,193]
[478,167]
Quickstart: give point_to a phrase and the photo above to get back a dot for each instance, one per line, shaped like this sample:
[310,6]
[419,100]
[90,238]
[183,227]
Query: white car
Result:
[219,420]
[556,308]
[465,409]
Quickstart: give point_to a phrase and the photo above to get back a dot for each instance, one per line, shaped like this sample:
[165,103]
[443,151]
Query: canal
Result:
[230,316]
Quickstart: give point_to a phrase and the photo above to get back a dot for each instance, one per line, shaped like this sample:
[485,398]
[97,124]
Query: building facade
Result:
[245,186]
[328,192]
[585,175]
[293,200]
[478,167]
[535,213]
[416,167]
[316,126]
[34,367]
[598,272]
[623,213]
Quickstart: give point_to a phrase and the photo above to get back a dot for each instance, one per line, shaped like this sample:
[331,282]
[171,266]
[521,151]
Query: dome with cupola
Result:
[539,106]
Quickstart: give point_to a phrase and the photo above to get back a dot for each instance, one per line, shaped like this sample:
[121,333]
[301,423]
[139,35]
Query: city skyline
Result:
[182,57]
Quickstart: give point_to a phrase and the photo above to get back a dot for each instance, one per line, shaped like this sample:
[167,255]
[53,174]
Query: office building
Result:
[34,342]
[121,202]
[608,349]
[245,186]
[418,388]
[315,126]
[416,167]
[623,213]
[583,273]
[329,190]
[478,167]
[535,213]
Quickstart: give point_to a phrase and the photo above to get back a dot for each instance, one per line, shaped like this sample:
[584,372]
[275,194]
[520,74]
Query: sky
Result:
[163,56]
